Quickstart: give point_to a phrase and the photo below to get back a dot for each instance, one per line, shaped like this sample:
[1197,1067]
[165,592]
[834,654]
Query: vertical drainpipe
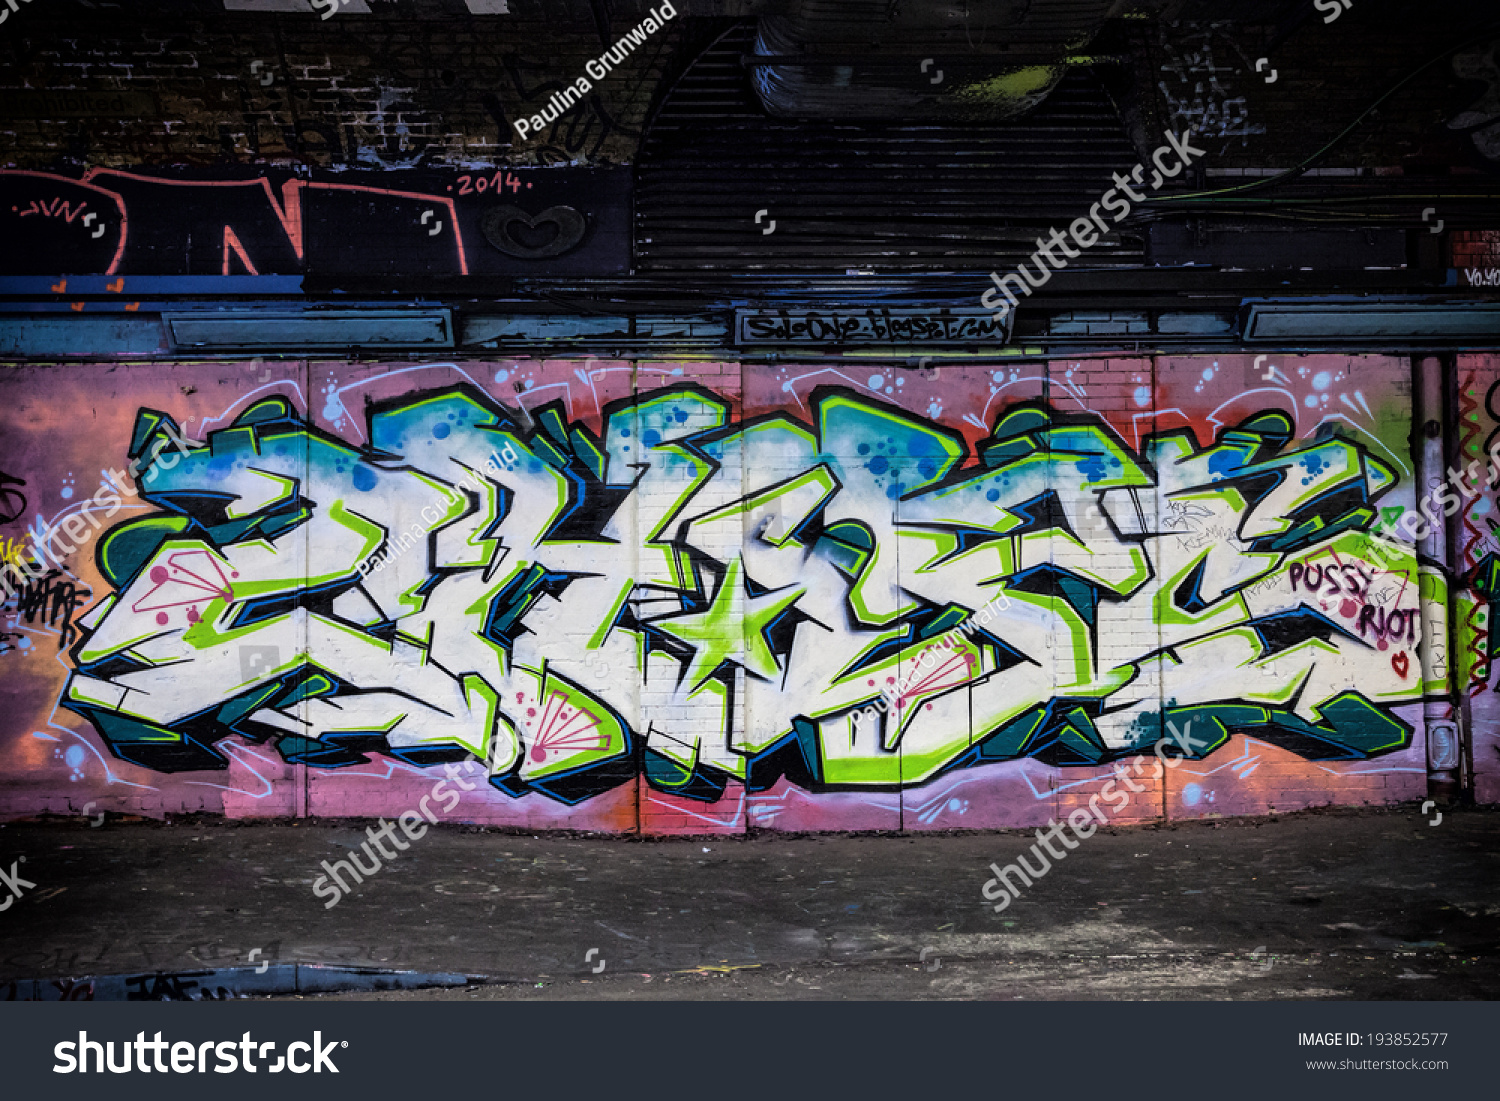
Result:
[1440,717]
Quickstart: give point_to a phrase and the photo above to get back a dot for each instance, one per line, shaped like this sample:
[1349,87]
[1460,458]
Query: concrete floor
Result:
[1368,904]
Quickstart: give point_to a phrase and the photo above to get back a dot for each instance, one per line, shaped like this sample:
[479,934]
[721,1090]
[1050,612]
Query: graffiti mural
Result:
[1476,642]
[690,592]
[1201,64]
[570,221]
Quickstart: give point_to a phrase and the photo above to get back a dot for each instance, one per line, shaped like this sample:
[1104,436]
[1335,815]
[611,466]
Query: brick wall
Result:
[386,91]
[358,91]
[673,605]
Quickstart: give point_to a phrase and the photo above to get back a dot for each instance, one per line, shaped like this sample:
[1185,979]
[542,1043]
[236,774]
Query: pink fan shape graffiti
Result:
[952,668]
[564,728]
[189,578]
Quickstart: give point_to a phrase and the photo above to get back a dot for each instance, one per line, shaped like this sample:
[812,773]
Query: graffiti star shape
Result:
[721,633]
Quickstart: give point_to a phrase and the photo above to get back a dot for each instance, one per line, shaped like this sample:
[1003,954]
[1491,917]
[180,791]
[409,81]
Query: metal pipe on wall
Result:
[1440,718]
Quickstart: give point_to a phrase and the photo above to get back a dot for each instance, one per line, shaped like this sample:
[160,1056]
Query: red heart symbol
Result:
[117,286]
[59,288]
[78,307]
[1401,663]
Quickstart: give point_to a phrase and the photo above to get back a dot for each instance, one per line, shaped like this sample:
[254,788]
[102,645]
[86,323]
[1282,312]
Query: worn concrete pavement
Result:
[1372,903]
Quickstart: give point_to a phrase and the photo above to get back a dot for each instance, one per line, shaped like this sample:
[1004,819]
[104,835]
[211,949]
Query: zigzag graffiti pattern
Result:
[698,601]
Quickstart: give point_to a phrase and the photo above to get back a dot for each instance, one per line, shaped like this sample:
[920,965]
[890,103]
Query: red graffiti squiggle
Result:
[114,262]
[1476,635]
[51,209]
[232,243]
[288,207]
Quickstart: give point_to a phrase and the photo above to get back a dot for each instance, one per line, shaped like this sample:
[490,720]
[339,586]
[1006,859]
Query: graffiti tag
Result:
[12,501]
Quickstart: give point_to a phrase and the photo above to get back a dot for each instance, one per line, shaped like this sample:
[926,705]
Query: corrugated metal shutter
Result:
[890,197]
